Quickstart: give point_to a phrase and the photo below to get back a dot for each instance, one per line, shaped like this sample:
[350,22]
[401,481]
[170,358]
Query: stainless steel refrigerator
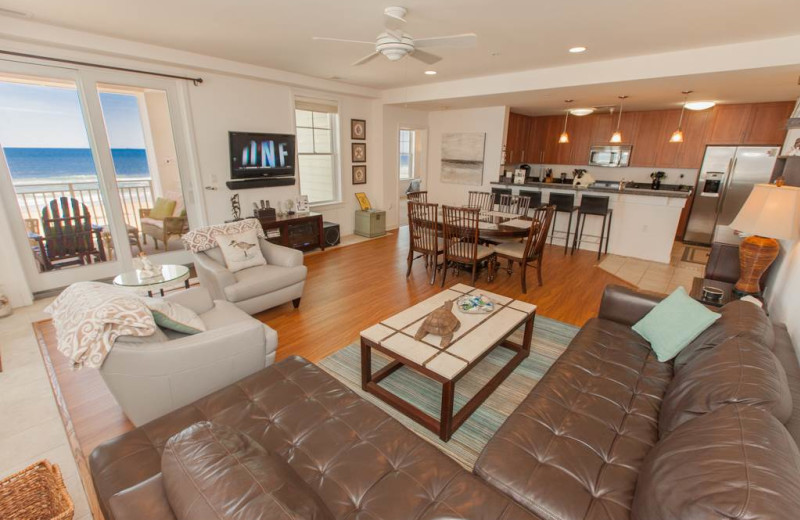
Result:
[725,180]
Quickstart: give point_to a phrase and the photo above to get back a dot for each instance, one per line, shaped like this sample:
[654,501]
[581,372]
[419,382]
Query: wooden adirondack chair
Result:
[68,236]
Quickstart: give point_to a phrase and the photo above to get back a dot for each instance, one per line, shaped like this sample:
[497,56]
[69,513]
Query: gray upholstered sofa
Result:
[254,289]
[153,377]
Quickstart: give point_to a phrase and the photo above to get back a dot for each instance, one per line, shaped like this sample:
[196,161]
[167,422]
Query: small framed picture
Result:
[363,201]
[302,204]
[358,129]
[359,152]
[519,176]
[360,174]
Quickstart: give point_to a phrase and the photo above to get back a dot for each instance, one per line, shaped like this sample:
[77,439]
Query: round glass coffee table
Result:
[170,275]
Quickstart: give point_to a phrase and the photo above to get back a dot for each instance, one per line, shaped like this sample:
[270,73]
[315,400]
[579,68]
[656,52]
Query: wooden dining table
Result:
[497,224]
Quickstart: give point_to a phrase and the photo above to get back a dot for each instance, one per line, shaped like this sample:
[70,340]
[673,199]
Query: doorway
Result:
[92,170]
[411,166]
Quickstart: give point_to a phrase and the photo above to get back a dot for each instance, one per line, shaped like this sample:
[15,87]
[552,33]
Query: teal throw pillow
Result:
[674,323]
[173,316]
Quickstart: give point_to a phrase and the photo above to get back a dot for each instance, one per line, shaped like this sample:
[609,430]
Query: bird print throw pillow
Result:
[241,250]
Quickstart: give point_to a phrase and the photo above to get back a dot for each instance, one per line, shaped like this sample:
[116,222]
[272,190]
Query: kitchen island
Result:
[644,220]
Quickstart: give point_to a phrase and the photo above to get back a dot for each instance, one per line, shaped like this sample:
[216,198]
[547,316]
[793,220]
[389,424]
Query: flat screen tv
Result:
[255,156]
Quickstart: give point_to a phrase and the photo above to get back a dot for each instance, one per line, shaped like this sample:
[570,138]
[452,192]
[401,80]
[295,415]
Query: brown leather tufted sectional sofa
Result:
[609,433]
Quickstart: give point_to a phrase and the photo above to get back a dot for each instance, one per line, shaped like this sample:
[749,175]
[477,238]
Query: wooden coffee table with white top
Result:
[477,336]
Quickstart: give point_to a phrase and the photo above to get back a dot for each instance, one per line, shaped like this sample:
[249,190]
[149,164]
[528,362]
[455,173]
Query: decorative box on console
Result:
[370,223]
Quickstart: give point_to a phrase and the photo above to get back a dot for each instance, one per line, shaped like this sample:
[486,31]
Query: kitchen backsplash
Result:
[617,174]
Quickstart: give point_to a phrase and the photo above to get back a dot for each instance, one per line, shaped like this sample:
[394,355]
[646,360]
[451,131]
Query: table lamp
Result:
[770,213]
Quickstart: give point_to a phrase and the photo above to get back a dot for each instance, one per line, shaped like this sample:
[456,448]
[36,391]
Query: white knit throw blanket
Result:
[90,316]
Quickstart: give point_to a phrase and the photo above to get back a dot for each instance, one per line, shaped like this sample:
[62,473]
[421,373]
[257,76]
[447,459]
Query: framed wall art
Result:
[358,129]
[360,174]
[359,152]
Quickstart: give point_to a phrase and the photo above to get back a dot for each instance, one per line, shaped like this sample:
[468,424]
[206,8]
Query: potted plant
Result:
[657,176]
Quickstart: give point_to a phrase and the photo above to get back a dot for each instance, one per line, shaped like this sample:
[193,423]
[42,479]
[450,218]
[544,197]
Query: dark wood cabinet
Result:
[646,145]
[695,130]
[535,139]
[767,125]
[301,231]
[729,124]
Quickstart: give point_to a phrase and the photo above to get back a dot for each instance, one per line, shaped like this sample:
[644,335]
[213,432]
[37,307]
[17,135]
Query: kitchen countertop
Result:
[648,192]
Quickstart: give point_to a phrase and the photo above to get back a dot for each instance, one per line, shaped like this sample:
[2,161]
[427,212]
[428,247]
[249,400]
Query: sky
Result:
[35,116]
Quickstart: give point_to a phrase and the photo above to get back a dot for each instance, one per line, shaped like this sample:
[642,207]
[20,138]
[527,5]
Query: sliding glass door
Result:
[93,171]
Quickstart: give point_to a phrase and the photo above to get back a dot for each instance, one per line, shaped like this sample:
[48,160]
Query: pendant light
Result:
[616,137]
[677,135]
[564,137]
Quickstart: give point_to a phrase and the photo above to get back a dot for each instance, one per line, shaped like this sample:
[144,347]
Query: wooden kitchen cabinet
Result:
[580,138]
[767,124]
[729,124]
[554,125]
[517,137]
[667,156]
[537,137]
[647,142]
[695,130]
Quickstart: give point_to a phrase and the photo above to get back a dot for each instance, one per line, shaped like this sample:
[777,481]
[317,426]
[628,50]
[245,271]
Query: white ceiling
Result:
[742,86]
[527,34]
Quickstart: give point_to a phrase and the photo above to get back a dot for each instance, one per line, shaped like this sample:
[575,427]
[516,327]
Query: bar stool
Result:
[535,196]
[564,203]
[496,194]
[593,205]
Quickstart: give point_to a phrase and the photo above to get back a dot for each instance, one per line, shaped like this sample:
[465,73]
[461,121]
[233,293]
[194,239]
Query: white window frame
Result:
[412,155]
[332,109]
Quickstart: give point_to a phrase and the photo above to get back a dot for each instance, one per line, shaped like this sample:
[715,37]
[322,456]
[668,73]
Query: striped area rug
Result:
[550,339]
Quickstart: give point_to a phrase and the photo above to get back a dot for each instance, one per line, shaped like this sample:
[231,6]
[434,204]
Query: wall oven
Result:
[610,156]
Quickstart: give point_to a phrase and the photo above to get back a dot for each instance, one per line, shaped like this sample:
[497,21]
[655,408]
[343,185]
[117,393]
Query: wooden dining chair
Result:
[461,244]
[423,230]
[417,196]
[516,204]
[480,200]
[530,252]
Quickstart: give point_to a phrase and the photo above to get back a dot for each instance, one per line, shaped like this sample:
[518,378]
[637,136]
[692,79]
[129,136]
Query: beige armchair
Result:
[153,377]
[259,288]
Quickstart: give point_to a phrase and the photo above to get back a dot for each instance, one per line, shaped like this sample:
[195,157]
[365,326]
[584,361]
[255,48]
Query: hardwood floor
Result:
[348,289]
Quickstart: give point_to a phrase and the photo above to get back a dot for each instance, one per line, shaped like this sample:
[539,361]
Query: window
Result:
[407,145]
[317,146]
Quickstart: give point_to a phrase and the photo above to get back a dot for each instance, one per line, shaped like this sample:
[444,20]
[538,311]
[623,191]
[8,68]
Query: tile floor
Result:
[30,425]
[654,276]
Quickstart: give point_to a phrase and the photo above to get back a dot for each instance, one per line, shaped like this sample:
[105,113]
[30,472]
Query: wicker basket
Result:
[35,493]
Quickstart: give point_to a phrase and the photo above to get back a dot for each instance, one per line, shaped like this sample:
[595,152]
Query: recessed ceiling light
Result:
[581,111]
[700,105]
[430,72]
[577,50]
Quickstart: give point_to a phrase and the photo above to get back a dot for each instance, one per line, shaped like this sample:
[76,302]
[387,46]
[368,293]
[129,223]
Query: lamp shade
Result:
[770,211]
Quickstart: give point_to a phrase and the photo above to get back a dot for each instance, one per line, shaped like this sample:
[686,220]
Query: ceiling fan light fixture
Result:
[700,105]
[579,112]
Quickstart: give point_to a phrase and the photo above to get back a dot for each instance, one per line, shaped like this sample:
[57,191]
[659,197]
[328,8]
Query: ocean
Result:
[71,164]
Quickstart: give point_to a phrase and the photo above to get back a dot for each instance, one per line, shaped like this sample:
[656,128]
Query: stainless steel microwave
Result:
[610,156]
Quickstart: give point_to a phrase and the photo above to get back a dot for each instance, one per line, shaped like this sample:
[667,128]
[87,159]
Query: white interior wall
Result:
[490,121]
[783,288]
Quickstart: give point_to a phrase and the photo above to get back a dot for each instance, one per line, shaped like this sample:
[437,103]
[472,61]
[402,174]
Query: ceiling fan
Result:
[396,44]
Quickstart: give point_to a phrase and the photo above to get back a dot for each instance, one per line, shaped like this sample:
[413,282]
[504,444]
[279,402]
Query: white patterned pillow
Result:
[241,250]
[175,317]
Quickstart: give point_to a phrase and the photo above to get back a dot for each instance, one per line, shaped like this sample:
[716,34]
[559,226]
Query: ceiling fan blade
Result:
[456,40]
[425,57]
[322,38]
[367,58]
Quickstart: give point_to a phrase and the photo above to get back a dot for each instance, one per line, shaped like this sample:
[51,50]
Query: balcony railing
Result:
[135,194]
